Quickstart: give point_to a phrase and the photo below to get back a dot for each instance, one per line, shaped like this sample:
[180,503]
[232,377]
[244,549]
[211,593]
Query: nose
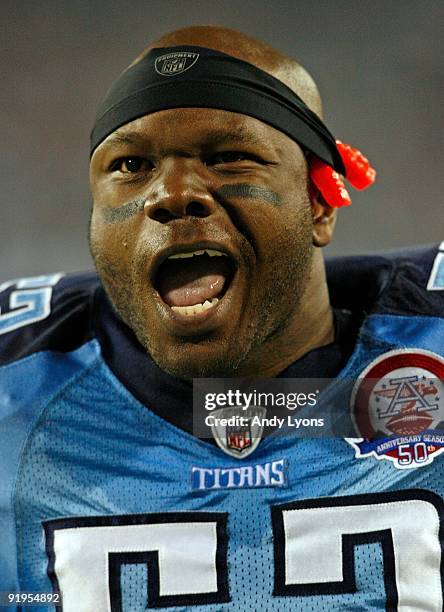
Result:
[178,191]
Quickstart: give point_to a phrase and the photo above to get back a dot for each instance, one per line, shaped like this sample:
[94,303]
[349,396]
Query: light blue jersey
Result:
[118,510]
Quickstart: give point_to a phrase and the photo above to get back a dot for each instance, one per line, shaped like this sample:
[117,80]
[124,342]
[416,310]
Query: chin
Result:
[204,359]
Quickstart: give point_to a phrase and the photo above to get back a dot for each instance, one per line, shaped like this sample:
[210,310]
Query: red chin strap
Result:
[330,183]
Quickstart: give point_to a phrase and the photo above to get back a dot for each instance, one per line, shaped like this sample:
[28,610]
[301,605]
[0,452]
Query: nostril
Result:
[162,215]
[196,209]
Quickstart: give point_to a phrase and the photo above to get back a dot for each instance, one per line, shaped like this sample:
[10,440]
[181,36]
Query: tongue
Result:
[185,282]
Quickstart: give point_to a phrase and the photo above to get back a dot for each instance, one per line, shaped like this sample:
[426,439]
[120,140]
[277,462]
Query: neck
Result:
[310,327]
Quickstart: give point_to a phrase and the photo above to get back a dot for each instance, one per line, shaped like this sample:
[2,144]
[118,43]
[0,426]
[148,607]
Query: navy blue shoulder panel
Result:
[395,282]
[46,313]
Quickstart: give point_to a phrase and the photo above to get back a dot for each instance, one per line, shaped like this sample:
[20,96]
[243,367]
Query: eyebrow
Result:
[212,137]
[124,138]
[219,137]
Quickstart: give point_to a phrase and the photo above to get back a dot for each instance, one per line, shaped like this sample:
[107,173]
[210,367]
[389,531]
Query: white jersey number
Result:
[314,541]
[186,553]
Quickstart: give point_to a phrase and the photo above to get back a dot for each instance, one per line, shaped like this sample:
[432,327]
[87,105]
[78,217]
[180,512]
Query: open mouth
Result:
[193,282]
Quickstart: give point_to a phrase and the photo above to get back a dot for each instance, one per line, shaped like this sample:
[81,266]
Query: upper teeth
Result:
[210,252]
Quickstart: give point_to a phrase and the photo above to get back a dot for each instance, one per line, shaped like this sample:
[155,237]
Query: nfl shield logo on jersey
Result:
[398,407]
[239,437]
[237,430]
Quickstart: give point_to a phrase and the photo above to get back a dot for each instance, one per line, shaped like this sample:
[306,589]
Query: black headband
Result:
[178,77]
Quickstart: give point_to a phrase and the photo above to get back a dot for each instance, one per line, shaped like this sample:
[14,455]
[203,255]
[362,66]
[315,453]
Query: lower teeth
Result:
[190,310]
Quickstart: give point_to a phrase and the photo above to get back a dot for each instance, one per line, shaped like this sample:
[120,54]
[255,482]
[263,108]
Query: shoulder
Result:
[404,281]
[49,312]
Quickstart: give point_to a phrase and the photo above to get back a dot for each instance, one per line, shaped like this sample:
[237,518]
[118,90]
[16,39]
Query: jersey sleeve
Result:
[405,282]
[48,312]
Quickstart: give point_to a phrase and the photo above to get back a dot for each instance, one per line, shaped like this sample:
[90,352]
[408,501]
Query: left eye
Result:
[131,164]
[229,157]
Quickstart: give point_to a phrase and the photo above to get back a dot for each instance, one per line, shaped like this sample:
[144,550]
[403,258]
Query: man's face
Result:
[221,184]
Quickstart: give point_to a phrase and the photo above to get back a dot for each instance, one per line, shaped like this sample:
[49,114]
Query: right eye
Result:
[131,165]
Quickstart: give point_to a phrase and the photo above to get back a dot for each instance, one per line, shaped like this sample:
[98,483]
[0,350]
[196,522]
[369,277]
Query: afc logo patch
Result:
[397,406]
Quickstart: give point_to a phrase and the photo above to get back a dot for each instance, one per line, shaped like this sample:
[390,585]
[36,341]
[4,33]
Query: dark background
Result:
[378,65]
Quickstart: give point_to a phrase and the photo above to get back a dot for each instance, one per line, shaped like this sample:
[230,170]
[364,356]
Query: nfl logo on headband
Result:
[171,64]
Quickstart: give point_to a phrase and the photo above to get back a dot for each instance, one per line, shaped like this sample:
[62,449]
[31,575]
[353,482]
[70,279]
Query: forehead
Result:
[199,127]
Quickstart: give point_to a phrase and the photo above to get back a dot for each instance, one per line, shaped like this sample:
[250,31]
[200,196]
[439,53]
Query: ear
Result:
[324,218]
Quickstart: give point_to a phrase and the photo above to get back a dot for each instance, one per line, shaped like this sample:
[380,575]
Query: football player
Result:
[215,186]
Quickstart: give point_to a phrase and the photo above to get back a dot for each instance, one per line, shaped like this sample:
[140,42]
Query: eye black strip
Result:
[122,213]
[239,190]
[251,192]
